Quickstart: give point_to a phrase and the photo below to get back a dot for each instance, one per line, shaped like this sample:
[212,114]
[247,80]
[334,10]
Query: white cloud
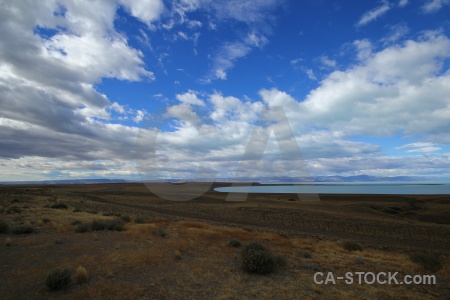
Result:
[434,5]
[226,57]
[384,95]
[422,147]
[145,10]
[48,82]
[190,98]
[396,32]
[311,74]
[374,14]
[327,62]
[403,3]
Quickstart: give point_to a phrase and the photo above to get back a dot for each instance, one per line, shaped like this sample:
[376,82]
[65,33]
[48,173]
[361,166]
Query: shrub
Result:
[98,225]
[81,275]
[280,260]
[116,224]
[160,232]
[126,218]
[140,220]
[13,210]
[352,246]
[256,258]
[83,227]
[58,279]
[59,205]
[429,261]
[24,229]
[234,243]
[305,254]
[3,227]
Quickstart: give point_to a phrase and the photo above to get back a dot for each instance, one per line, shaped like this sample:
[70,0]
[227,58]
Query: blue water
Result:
[346,188]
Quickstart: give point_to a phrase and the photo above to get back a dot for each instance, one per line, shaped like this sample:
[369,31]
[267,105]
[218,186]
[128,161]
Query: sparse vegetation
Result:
[160,232]
[305,254]
[234,243]
[13,210]
[83,227]
[140,220]
[138,262]
[99,225]
[24,229]
[126,218]
[3,227]
[352,246]
[58,279]
[81,275]
[429,261]
[256,258]
[280,260]
[59,205]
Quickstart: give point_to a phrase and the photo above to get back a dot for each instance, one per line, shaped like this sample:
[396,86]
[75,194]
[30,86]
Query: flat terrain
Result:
[179,249]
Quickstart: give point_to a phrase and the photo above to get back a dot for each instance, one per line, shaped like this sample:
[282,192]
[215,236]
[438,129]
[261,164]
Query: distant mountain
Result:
[68,181]
[356,178]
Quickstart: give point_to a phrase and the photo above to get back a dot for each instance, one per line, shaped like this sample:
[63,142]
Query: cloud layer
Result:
[54,122]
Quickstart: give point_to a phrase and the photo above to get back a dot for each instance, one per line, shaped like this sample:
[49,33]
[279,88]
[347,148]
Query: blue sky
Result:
[191,89]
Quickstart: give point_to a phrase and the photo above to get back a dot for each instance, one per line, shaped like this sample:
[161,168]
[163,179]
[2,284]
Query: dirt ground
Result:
[179,249]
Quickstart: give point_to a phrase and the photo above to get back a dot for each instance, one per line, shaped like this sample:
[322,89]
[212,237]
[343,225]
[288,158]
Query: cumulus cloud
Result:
[53,55]
[374,14]
[145,10]
[190,97]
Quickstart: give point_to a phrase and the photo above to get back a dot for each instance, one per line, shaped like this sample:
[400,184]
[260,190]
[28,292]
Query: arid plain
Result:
[161,249]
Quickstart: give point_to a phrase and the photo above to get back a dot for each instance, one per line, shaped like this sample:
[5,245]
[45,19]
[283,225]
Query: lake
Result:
[345,188]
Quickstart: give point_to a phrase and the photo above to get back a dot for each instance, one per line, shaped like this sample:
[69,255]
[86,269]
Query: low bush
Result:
[3,227]
[59,205]
[428,261]
[83,227]
[81,275]
[280,260]
[140,220]
[13,210]
[352,246]
[234,243]
[58,279]
[24,229]
[160,232]
[116,224]
[256,258]
[126,218]
[98,225]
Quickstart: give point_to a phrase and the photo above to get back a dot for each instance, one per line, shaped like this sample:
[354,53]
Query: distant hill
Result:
[356,178]
[68,181]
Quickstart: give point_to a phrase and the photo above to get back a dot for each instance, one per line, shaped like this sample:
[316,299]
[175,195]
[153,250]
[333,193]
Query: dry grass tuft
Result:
[81,275]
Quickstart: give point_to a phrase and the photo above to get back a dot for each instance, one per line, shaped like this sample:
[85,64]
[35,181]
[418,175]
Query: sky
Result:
[203,89]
